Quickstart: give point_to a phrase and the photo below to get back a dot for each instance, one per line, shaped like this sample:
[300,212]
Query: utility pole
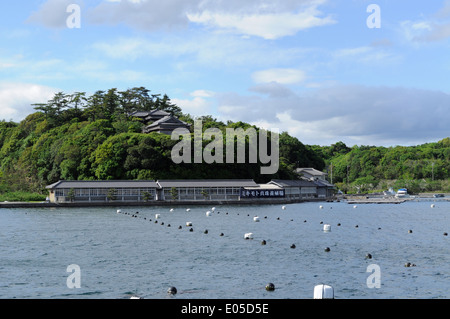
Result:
[347,174]
[432,171]
[331,168]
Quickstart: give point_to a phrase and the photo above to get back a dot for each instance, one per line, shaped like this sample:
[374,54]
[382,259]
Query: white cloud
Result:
[431,29]
[16,99]
[366,54]
[52,14]
[216,51]
[197,106]
[202,93]
[135,48]
[282,76]
[143,15]
[262,18]
[354,114]
[268,26]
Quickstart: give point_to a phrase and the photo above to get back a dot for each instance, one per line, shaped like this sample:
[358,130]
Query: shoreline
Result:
[355,199]
[155,203]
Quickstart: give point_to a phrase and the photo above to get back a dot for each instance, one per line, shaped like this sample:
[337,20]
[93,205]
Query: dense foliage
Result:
[80,137]
[419,168]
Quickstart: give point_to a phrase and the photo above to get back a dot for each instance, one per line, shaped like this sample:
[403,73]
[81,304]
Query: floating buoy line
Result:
[320,291]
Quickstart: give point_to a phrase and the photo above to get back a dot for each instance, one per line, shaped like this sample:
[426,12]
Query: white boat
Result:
[402,193]
[389,192]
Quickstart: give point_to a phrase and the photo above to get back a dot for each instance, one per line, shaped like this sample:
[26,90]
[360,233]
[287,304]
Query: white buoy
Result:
[323,292]
[432,205]
[188,209]
[326,228]
[283,207]
[188,223]
[256,219]
[321,207]
[119,211]
[157,216]
[248,235]
[208,213]
[355,206]
[171,209]
[213,209]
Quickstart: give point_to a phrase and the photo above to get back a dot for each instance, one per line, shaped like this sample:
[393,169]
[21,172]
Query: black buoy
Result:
[293,246]
[205,232]
[172,291]
[445,234]
[368,256]
[410,231]
[327,249]
[191,229]
[179,227]
[221,234]
[356,226]
[270,287]
[263,242]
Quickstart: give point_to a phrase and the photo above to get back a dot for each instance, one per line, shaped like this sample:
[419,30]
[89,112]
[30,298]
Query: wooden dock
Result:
[377,201]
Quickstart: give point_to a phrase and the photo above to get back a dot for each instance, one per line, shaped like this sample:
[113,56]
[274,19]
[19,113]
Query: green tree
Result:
[174,193]
[112,194]
[147,196]
[71,195]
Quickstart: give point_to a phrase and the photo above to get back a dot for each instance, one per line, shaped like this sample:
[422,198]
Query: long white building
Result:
[130,191]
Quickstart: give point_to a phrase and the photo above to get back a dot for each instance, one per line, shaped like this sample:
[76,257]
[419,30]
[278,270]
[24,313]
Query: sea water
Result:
[120,255]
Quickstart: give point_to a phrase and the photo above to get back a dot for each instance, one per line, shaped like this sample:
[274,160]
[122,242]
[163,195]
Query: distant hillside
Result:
[80,137]
[419,168]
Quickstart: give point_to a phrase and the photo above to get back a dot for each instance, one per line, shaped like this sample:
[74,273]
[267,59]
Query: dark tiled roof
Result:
[167,120]
[293,183]
[310,171]
[208,183]
[103,184]
[140,114]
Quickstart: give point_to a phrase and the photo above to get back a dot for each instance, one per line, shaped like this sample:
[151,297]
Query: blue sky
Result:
[312,68]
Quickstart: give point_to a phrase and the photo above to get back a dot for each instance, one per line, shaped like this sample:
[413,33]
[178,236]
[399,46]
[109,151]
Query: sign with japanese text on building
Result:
[261,193]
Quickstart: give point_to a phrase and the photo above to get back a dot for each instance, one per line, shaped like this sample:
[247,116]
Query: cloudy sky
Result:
[322,70]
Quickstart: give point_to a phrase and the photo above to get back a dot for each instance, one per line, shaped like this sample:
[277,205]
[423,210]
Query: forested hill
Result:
[419,168]
[81,137]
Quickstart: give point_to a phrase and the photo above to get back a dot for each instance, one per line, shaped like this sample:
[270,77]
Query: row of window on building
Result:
[185,190]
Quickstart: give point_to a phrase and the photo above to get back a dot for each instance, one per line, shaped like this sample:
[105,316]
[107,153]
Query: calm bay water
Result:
[120,255]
